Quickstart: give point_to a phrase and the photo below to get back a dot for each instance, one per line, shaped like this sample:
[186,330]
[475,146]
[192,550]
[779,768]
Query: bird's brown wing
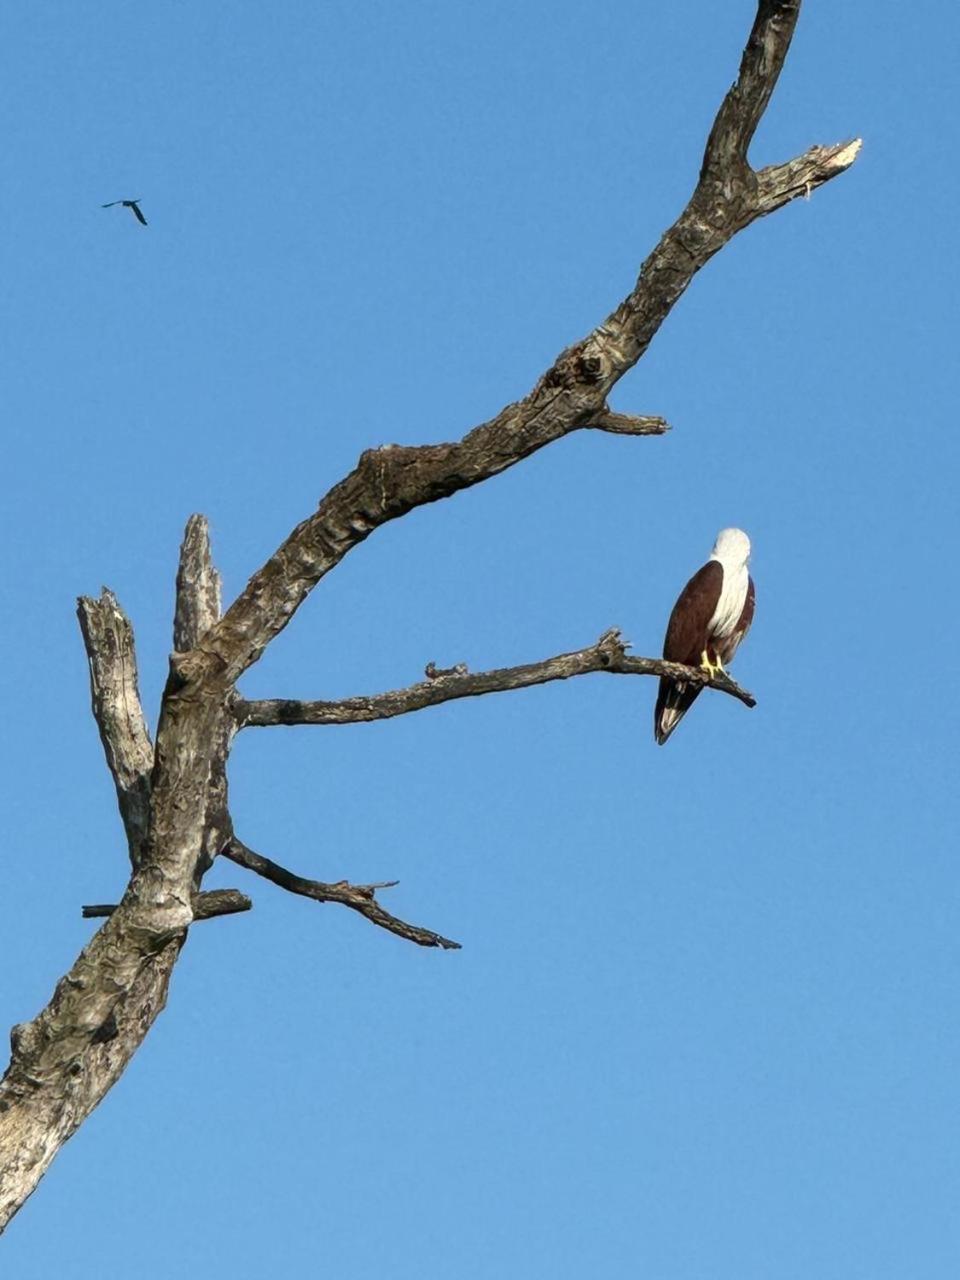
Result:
[136,209]
[685,641]
[686,636]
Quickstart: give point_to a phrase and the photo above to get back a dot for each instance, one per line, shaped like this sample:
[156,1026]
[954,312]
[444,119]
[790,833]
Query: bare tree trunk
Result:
[173,795]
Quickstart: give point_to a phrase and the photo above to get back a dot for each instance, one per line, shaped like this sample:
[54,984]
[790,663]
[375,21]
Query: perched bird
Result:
[129,204]
[709,620]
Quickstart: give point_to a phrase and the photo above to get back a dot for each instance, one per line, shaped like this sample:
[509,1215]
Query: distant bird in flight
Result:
[129,204]
[709,620]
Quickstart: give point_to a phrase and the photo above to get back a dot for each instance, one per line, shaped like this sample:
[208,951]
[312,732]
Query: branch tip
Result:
[844,157]
[628,424]
[198,587]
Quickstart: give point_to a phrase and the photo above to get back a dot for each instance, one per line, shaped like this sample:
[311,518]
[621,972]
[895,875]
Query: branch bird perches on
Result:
[173,793]
[608,654]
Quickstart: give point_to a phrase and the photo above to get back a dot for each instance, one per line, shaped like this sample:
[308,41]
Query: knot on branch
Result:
[582,365]
[366,891]
[186,668]
[433,672]
[25,1040]
[107,1030]
[590,368]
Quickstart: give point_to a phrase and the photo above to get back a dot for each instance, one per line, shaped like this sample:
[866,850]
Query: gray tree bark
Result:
[172,794]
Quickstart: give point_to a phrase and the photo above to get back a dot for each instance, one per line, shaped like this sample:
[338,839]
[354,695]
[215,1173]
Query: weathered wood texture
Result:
[198,588]
[115,693]
[173,795]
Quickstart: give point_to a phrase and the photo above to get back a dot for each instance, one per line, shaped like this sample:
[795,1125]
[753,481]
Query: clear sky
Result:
[705,1022]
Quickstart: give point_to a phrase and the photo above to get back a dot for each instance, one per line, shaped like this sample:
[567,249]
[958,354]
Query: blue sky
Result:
[705,1022]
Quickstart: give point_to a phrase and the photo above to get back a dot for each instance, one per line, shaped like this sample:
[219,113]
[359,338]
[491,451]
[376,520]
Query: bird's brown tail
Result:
[674,700]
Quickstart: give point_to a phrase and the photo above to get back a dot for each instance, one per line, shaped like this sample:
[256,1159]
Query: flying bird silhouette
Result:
[129,204]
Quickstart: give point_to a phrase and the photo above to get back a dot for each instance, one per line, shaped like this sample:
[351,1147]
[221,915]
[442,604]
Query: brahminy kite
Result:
[134,205]
[706,626]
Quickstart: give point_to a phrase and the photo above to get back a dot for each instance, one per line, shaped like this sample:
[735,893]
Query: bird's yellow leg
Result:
[707,666]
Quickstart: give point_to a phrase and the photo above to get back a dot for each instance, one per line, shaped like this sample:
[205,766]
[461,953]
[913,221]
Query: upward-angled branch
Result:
[198,587]
[572,394]
[746,101]
[108,639]
[197,610]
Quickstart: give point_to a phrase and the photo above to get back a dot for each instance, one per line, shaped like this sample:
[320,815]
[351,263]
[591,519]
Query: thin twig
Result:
[358,897]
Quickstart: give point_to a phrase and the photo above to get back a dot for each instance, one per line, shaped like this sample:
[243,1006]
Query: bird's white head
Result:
[732,548]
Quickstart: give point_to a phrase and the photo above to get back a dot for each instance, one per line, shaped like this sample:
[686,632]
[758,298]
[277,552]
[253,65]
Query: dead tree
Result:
[172,793]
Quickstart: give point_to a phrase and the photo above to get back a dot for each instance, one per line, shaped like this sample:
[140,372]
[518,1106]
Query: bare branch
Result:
[198,587]
[115,695]
[627,424]
[571,395]
[358,897]
[213,902]
[607,655]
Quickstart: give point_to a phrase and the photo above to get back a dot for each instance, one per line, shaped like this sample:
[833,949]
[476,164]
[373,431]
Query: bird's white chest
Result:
[733,596]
